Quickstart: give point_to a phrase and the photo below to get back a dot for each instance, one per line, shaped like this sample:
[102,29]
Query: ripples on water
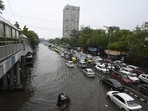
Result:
[41,87]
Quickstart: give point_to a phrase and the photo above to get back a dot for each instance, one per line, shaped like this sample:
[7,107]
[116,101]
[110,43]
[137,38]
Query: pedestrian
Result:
[63,97]
[59,101]
[106,66]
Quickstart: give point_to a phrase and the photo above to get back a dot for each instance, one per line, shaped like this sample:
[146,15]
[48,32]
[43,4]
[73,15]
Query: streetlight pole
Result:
[109,37]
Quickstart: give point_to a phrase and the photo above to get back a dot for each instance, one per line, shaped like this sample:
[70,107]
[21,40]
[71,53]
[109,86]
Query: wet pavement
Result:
[49,77]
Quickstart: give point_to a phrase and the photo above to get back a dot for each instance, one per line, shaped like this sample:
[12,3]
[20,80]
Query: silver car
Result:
[143,78]
[89,72]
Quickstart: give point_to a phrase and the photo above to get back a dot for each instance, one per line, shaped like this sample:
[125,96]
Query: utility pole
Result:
[110,30]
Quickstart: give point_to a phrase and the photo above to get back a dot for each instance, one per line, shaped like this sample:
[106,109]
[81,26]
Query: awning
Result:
[116,53]
[92,49]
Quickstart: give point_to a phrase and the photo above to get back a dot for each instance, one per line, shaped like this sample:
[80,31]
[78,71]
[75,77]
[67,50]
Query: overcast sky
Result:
[45,17]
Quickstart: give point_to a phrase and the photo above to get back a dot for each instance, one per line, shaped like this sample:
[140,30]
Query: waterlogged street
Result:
[49,77]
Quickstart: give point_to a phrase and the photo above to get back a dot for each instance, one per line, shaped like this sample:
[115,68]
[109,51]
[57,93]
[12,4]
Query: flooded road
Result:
[49,77]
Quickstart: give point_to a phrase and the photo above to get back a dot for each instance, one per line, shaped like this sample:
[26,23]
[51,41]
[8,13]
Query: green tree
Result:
[120,40]
[65,41]
[138,46]
[32,36]
[17,25]
[73,41]
[85,34]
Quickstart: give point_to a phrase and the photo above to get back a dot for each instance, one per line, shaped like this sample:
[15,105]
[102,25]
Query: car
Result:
[89,72]
[66,56]
[112,83]
[144,89]
[143,78]
[131,76]
[102,68]
[82,64]
[110,66]
[96,59]
[120,63]
[126,70]
[62,54]
[124,101]
[74,59]
[121,77]
[136,69]
[70,64]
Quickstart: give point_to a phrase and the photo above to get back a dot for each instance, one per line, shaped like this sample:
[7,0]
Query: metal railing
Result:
[8,50]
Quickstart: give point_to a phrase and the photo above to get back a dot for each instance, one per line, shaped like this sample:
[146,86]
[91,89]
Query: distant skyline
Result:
[45,17]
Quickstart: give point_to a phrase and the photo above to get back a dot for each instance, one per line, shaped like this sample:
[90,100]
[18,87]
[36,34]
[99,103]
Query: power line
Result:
[11,9]
[40,19]
[36,27]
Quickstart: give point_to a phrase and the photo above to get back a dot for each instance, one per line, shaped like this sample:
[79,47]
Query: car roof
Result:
[113,80]
[132,66]
[125,96]
[70,61]
[88,69]
[128,68]
[81,61]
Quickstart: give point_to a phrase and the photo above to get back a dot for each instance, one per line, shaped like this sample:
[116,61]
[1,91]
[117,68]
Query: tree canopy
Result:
[135,42]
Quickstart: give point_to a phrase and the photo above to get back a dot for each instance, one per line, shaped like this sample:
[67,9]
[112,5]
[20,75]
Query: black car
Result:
[144,89]
[112,83]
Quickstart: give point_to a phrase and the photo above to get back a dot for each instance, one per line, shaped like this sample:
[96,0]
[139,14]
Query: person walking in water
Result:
[61,99]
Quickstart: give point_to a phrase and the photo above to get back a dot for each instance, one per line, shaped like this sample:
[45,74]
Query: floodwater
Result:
[49,77]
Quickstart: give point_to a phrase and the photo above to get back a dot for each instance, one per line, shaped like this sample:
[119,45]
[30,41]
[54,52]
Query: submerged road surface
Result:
[49,77]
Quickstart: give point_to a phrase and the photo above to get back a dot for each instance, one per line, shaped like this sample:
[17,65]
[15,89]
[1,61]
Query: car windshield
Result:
[102,67]
[116,83]
[124,76]
[132,103]
[90,71]
[131,75]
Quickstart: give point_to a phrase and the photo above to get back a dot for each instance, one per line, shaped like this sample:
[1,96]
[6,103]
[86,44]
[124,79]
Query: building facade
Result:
[70,20]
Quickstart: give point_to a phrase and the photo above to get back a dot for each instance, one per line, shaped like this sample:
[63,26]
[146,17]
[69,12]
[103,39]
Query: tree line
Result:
[134,43]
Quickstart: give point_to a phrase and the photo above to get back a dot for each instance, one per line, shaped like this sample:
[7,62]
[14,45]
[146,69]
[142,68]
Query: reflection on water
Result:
[12,101]
[39,91]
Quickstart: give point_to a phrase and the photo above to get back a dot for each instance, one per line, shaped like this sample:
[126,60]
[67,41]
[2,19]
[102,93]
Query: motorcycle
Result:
[62,102]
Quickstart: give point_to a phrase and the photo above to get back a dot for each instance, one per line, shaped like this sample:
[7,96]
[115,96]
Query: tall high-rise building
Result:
[70,20]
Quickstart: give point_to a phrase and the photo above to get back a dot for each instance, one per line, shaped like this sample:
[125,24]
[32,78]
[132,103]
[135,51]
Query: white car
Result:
[110,66]
[131,76]
[70,64]
[89,72]
[82,64]
[102,68]
[143,78]
[126,70]
[124,101]
[132,67]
